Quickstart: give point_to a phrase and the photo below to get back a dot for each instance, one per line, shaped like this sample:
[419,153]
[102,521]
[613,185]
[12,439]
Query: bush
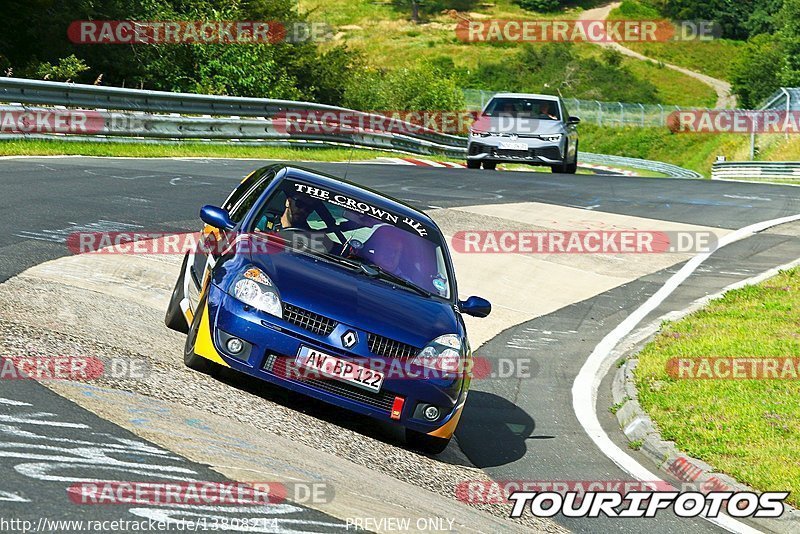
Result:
[554,67]
[539,5]
[68,69]
[421,87]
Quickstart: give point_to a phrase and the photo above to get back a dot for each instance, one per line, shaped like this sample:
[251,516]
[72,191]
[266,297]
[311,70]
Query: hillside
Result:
[389,39]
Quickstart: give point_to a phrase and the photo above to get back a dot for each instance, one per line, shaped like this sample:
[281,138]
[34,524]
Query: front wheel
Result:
[174,319]
[473,164]
[490,165]
[572,168]
[425,443]
[192,360]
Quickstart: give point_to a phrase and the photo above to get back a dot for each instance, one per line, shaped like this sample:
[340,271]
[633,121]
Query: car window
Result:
[237,194]
[239,208]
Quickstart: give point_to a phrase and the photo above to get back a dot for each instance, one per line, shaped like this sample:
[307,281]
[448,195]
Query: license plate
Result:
[339,369]
[513,146]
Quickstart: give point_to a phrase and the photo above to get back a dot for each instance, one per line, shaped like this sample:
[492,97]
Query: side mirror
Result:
[573,120]
[475,306]
[216,217]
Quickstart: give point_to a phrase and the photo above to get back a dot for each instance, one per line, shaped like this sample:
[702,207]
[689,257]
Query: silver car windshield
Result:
[527,108]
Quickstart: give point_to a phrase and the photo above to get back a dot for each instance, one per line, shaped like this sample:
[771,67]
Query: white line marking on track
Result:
[586,384]
[12,402]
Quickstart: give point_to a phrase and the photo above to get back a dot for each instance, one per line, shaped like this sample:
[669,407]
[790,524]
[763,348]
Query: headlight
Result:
[480,133]
[255,289]
[443,354]
[554,137]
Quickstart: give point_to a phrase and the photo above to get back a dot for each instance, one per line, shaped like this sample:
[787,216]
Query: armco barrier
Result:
[158,116]
[760,170]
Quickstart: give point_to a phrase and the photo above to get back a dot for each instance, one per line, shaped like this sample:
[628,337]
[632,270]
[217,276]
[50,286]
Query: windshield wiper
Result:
[333,258]
[373,271]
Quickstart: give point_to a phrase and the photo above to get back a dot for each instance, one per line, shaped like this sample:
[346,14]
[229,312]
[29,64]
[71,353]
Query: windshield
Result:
[528,108]
[325,222]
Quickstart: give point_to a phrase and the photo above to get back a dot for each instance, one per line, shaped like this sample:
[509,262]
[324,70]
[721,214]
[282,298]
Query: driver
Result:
[544,111]
[298,208]
[295,215]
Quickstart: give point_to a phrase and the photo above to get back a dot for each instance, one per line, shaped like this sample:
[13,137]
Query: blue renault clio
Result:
[332,290]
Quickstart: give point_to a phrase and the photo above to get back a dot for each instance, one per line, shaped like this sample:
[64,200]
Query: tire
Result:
[174,319]
[473,164]
[425,443]
[572,168]
[192,360]
[490,165]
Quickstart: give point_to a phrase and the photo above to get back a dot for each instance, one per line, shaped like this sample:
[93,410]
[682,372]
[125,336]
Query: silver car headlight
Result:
[480,133]
[442,354]
[255,289]
[551,138]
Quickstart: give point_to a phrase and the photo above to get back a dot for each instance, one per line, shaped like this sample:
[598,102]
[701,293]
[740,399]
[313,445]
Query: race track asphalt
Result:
[514,430]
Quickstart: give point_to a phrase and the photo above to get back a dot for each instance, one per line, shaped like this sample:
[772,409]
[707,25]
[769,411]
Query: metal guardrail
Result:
[673,171]
[158,116]
[763,170]
[24,91]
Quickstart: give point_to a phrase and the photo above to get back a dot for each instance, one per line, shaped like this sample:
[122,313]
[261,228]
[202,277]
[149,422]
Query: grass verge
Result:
[138,150]
[749,429]
[692,151]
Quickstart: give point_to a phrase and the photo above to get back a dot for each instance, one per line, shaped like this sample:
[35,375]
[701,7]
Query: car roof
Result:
[526,95]
[360,192]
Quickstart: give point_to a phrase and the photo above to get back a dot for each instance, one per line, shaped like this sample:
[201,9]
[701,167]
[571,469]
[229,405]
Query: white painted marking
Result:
[11,402]
[741,197]
[7,496]
[36,419]
[584,389]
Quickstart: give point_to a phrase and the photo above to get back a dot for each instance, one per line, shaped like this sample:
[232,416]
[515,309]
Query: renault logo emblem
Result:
[349,339]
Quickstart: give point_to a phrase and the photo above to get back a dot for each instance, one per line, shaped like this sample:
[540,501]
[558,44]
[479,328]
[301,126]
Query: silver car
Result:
[524,128]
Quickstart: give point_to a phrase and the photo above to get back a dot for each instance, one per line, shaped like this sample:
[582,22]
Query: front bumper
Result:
[273,343]
[539,152]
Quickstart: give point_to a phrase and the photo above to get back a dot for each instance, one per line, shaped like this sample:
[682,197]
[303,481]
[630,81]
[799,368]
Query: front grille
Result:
[503,153]
[550,152]
[389,348]
[319,324]
[382,400]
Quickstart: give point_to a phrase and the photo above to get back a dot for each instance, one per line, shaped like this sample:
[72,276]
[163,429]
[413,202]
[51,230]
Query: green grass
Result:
[749,429]
[713,58]
[673,87]
[692,151]
[53,148]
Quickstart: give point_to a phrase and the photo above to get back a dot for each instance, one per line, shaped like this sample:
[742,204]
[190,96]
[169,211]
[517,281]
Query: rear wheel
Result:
[490,165]
[174,319]
[473,164]
[425,443]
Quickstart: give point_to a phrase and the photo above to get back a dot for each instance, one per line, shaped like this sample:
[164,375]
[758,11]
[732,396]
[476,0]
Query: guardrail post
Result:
[660,115]
[621,114]
[788,110]
[599,113]
[641,106]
